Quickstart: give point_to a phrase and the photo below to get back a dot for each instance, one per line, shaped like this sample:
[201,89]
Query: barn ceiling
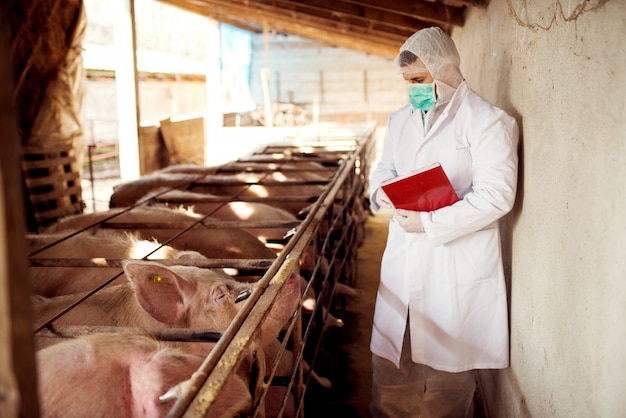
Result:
[373,26]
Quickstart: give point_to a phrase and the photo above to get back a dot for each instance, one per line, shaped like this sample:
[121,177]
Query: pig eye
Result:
[220,293]
[157,279]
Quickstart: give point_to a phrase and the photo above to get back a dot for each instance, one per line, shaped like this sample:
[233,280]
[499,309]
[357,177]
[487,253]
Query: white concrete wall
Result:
[559,67]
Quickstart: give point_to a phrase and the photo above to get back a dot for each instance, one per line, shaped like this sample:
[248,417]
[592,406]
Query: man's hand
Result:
[381,199]
[409,220]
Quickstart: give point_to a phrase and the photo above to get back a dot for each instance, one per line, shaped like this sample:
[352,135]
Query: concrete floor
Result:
[350,367]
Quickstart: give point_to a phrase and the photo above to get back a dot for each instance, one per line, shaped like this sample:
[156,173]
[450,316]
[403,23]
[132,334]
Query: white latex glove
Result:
[409,220]
[381,199]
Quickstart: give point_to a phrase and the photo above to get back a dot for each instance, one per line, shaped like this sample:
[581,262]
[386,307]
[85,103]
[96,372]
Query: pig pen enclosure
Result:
[318,181]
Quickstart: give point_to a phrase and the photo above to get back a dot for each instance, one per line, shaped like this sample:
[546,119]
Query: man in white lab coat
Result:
[441,308]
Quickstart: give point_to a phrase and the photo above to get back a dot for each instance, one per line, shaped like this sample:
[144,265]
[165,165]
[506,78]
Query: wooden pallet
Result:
[52,183]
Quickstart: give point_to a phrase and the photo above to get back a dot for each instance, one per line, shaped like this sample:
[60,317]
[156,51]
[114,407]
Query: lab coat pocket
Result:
[477,257]
[457,163]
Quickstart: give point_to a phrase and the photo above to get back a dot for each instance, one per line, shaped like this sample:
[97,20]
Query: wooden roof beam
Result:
[347,40]
[435,13]
[467,3]
[377,17]
[376,46]
[394,13]
[408,15]
[359,24]
[258,13]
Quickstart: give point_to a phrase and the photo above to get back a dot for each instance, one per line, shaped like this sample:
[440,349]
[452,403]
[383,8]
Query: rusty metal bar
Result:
[265,183]
[161,334]
[209,224]
[244,263]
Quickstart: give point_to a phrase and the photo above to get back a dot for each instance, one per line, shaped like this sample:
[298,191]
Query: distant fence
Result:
[102,149]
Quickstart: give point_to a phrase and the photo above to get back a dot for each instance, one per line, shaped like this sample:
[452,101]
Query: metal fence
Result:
[331,228]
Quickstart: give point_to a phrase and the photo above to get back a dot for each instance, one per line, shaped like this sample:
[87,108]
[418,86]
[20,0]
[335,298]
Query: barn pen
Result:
[331,226]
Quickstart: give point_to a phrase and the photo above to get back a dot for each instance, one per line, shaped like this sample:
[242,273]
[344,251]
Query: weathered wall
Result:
[559,68]
[158,99]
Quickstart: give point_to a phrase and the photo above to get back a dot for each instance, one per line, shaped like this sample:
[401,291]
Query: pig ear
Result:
[159,290]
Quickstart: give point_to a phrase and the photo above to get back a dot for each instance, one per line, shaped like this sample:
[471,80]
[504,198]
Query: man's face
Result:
[420,76]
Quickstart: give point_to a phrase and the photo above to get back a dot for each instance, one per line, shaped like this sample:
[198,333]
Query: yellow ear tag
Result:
[157,279]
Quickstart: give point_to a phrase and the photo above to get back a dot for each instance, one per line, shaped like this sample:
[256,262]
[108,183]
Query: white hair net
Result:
[438,53]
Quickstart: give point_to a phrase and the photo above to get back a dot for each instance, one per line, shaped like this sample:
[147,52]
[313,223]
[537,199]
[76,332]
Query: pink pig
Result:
[230,211]
[237,184]
[122,375]
[232,243]
[162,297]
[273,237]
[95,245]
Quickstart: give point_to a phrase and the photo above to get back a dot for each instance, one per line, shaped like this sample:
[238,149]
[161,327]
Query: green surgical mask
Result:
[422,96]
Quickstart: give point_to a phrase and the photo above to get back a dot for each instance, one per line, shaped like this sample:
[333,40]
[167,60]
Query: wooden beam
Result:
[466,3]
[202,9]
[365,25]
[259,11]
[126,84]
[240,23]
[338,37]
[344,13]
[442,13]
[18,373]
[335,33]
[403,14]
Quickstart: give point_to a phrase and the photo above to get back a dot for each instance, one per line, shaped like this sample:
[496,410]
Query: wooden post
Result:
[265,77]
[126,80]
[214,115]
[18,378]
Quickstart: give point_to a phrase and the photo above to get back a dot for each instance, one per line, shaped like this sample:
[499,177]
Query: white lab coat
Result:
[450,279]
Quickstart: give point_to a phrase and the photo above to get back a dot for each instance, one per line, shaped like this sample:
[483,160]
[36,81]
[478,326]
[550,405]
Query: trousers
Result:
[419,391]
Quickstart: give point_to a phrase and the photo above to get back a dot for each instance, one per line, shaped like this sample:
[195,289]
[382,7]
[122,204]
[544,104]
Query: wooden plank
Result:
[126,84]
[51,180]
[427,11]
[184,140]
[56,194]
[18,380]
[50,162]
[47,148]
[404,16]
[152,151]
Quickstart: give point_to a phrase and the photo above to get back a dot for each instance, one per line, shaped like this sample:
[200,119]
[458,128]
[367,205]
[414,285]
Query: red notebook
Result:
[423,190]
